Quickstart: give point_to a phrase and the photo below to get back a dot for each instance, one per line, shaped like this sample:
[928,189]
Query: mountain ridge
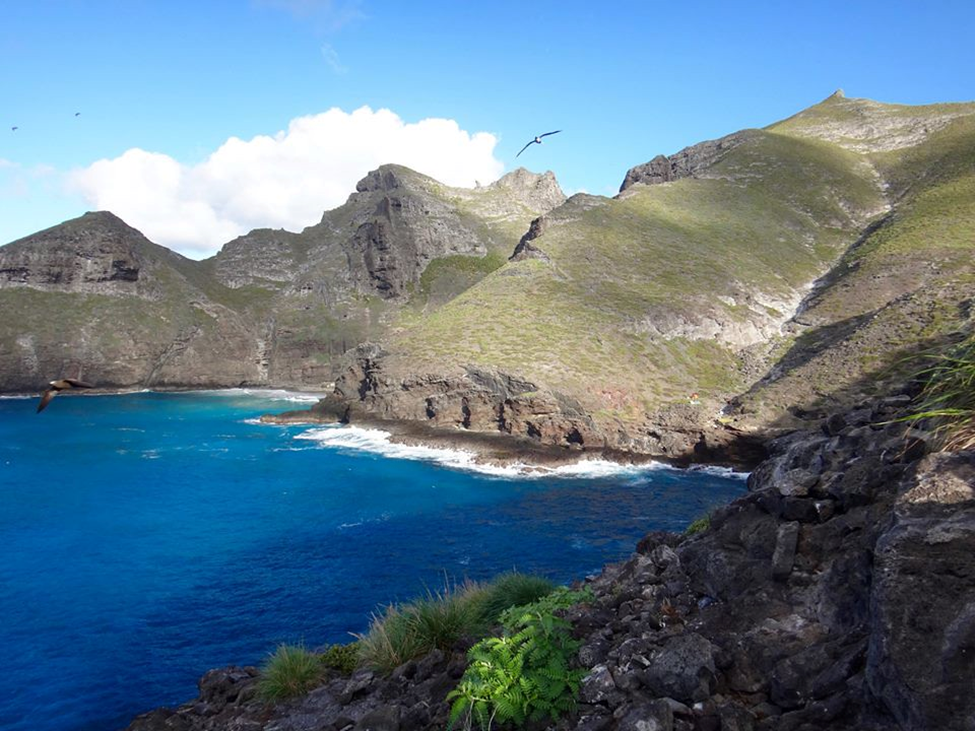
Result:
[715,292]
[292,301]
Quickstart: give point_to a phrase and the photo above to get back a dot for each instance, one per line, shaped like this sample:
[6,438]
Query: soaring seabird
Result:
[61,385]
[537,140]
[13,129]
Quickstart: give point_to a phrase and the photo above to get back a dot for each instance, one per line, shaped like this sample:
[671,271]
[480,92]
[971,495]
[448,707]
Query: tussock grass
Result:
[401,632]
[948,398]
[291,671]
[442,619]
[513,590]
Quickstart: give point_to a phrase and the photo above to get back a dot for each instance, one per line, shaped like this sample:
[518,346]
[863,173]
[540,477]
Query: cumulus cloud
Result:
[281,181]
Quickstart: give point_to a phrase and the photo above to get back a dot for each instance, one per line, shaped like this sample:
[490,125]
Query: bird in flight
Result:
[13,129]
[537,141]
[77,114]
[57,386]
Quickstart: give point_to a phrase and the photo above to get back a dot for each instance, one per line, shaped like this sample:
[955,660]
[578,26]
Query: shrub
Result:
[948,396]
[525,674]
[289,672]
[698,526]
[513,590]
[344,658]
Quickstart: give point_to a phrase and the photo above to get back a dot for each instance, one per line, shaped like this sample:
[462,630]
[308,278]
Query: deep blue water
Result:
[145,538]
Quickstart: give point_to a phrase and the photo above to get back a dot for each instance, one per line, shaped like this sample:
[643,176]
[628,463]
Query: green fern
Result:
[525,674]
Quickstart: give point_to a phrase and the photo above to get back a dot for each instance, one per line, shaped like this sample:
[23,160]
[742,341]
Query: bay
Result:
[148,537]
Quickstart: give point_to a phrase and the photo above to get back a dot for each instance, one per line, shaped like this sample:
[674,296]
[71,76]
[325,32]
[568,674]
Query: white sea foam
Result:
[272,394]
[376,441]
[604,468]
[720,471]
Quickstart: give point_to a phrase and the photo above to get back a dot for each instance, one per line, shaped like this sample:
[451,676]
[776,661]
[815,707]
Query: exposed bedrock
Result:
[371,385]
[687,163]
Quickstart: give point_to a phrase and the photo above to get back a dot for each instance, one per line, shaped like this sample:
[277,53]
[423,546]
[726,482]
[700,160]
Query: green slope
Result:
[653,295]
[903,289]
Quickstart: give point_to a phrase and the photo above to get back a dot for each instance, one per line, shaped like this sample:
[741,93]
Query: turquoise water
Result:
[148,537]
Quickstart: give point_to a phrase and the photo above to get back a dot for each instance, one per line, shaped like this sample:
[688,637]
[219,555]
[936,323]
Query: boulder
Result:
[682,669]
[922,643]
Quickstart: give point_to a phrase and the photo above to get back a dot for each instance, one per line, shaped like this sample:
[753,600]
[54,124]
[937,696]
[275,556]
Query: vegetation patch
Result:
[525,674]
[698,526]
[948,397]
[291,671]
[342,658]
[443,618]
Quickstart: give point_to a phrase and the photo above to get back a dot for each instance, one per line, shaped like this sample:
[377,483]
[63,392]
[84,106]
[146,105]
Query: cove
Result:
[148,537]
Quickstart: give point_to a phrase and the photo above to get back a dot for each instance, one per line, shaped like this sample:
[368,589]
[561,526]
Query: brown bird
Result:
[56,386]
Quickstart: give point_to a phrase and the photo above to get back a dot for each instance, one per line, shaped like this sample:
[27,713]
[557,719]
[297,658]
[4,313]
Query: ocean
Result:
[148,537]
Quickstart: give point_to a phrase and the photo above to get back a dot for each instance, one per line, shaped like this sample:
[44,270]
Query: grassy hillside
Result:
[904,288]
[651,296]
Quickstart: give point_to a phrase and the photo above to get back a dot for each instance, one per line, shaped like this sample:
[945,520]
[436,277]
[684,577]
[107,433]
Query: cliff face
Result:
[94,298]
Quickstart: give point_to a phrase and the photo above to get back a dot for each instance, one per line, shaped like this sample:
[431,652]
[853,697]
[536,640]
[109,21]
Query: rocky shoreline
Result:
[839,593]
[491,448]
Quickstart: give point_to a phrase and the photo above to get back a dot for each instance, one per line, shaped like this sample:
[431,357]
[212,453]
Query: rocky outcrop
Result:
[525,248]
[688,163]
[838,594]
[475,399]
[373,384]
[398,221]
[411,698]
[96,254]
[262,257]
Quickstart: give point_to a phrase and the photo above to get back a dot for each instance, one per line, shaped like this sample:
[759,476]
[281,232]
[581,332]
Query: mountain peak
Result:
[868,126]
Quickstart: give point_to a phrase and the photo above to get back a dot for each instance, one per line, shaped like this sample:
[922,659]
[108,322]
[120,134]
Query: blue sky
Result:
[173,81]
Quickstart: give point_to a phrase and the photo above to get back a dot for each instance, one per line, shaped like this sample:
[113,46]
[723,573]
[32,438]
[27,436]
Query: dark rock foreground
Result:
[838,594]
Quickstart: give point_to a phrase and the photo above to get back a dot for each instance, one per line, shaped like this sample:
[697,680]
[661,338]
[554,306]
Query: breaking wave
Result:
[377,441]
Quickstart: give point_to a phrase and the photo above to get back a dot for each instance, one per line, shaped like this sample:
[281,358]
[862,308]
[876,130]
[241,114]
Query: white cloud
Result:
[284,181]
[331,57]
